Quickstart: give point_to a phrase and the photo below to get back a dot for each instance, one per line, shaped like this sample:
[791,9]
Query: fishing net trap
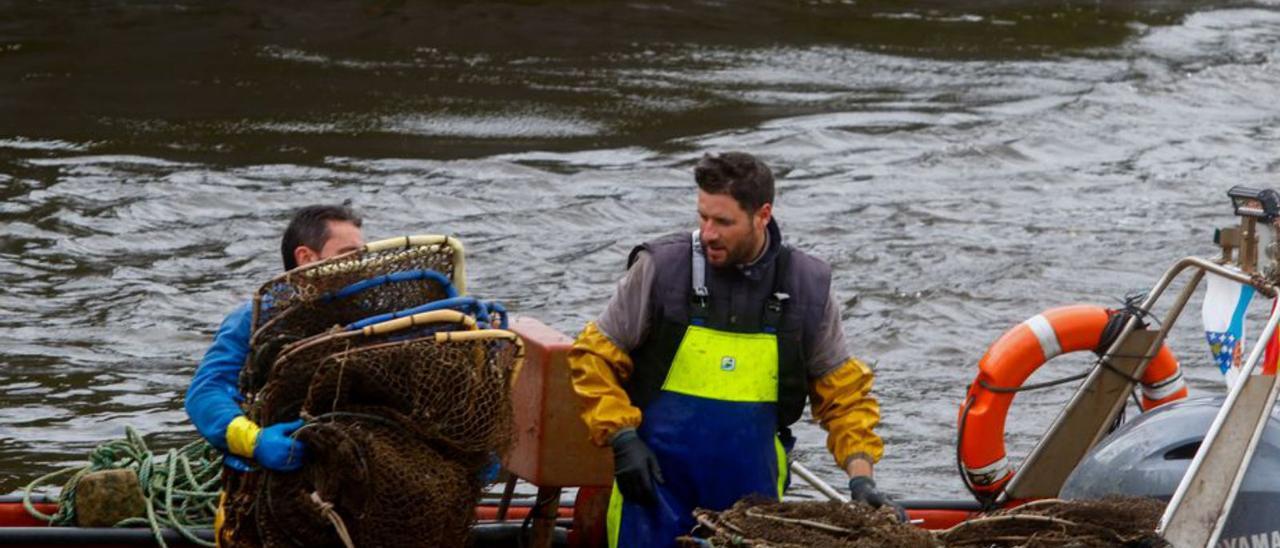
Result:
[403,383]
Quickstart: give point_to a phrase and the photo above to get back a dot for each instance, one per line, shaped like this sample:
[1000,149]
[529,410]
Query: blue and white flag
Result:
[1225,303]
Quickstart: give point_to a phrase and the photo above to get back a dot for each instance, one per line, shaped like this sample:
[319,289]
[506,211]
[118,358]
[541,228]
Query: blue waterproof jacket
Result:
[213,399]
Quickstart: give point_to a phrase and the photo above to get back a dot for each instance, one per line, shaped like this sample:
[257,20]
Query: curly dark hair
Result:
[737,174]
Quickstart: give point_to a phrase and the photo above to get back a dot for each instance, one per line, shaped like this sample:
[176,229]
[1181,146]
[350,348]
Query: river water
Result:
[962,166]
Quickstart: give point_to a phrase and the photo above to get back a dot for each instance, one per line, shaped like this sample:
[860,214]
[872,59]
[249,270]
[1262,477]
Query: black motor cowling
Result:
[1149,455]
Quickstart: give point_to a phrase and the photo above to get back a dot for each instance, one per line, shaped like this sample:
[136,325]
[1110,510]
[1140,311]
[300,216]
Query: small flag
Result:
[1225,303]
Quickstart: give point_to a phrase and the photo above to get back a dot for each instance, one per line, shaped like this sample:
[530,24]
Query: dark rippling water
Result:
[962,165]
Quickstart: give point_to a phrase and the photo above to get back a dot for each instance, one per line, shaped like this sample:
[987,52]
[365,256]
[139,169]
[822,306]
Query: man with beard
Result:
[705,356]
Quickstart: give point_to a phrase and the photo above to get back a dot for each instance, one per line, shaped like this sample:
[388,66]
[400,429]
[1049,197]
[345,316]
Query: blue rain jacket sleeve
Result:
[214,396]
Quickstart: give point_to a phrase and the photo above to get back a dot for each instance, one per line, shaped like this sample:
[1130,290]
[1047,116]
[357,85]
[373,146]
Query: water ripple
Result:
[954,193]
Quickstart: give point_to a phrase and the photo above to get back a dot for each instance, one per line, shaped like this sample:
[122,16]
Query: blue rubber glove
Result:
[236,463]
[275,450]
[863,489]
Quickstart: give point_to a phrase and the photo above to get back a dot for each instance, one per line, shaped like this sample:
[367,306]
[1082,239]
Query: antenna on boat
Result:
[1251,205]
[1198,511]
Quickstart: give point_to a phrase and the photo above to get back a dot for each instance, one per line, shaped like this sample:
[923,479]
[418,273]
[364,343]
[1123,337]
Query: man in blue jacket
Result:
[316,232]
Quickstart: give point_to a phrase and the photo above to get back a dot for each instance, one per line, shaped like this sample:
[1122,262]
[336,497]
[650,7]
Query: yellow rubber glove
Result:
[843,405]
[597,367]
[242,436]
[273,447]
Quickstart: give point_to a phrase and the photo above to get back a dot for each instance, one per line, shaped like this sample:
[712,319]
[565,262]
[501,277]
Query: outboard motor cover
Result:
[1149,455]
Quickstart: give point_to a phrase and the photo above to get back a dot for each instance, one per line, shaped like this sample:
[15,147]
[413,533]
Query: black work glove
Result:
[635,468]
[863,489]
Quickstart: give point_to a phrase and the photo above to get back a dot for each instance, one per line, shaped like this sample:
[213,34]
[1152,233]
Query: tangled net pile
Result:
[760,522]
[405,394]
[1114,521]
[1079,524]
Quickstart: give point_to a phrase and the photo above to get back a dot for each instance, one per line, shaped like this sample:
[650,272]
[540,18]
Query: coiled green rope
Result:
[181,488]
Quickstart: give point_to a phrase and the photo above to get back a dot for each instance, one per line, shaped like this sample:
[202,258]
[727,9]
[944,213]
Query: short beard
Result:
[744,254]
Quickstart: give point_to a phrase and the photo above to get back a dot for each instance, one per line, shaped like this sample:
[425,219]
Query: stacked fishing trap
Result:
[403,382]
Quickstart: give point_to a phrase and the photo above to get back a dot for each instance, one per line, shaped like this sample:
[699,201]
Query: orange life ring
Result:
[1013,358]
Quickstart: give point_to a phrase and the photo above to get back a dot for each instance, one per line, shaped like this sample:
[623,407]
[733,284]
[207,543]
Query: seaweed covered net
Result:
[1119,521]
[399,425]
[761,522]
[1113,521]
[384,277]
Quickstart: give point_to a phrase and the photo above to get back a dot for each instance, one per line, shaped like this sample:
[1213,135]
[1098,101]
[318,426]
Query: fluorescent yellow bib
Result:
[720,365]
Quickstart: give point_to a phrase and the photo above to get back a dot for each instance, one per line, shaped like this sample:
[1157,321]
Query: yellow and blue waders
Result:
[712,426]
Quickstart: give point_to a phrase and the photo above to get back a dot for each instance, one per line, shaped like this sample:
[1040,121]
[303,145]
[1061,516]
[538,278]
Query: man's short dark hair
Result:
[310,227]
[737,174]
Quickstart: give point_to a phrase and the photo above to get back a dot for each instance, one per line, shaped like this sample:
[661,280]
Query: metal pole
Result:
[508,492]
[817,482]
[1197,512]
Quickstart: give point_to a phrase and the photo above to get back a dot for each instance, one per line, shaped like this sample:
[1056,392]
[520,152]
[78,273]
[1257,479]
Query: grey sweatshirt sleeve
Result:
[829,350]
[625,319]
